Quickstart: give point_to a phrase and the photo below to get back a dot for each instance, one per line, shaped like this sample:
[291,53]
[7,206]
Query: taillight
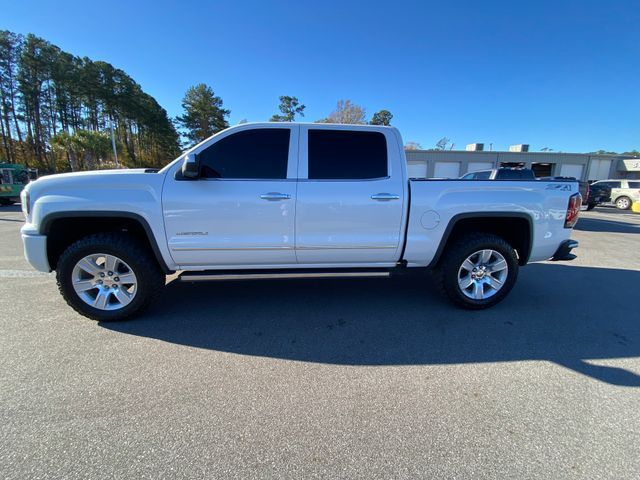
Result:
[573,210]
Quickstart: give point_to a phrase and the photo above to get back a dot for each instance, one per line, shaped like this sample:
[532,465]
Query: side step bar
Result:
[257,275]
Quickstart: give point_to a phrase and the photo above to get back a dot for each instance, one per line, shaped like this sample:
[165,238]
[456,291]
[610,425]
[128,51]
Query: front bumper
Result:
[563,253]
[35,251]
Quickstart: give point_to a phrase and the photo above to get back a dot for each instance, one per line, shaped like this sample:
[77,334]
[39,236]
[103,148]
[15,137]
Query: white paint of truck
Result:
[322,224]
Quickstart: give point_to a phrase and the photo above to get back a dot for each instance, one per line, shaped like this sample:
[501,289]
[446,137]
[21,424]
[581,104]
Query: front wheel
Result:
[623,203]
[478,271]
[108,276]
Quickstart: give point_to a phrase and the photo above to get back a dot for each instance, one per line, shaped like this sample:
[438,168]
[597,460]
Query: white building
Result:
[455,163]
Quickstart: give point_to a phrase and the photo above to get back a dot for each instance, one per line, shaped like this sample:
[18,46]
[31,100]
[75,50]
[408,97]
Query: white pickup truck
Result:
[288,200]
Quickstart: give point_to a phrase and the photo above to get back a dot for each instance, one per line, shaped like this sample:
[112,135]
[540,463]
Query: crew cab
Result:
[288,200]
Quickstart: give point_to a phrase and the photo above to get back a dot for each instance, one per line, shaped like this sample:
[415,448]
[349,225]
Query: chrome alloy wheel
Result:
[623,203]
[104,281]
[482,274]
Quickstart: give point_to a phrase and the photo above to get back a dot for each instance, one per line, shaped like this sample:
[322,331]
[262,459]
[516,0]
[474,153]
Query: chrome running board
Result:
[209,276]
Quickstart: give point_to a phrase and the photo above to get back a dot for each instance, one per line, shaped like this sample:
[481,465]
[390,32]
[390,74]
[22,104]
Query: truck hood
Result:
[133,190]
[63,183]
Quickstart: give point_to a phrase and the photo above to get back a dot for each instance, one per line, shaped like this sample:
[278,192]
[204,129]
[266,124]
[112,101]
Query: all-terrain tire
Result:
[447,273]
[149,276]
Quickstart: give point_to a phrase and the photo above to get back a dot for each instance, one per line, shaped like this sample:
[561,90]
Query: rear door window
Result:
[347,155]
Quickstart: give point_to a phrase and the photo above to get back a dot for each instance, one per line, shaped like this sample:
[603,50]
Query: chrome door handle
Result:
[275,196]
[385,196]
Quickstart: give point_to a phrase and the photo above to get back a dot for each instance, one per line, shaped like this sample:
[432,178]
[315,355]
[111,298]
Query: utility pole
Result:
[113,143]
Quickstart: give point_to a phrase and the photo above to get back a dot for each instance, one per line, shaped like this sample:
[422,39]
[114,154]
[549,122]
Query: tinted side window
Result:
[483,175]
[614,184]
[342,155]
[515,174]
[469,176]
[508,175]
[260,153]
[634,184]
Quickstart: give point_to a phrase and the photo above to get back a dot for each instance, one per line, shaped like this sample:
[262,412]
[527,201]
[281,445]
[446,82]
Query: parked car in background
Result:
[13,178]
[504,173]
[599,193]
[623,192]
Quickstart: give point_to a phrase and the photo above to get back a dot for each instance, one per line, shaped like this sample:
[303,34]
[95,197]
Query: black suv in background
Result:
[598,193]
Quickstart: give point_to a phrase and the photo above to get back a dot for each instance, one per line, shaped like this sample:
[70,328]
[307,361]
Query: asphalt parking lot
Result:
[375,378]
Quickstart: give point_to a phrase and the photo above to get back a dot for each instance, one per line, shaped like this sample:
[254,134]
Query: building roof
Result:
[506,152]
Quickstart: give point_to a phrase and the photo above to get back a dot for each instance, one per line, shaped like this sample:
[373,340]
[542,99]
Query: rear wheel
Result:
[108,276]
[623,203]
[478,271]
[591,206]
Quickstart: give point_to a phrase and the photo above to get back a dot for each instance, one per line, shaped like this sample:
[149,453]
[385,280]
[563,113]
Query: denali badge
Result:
[192,233]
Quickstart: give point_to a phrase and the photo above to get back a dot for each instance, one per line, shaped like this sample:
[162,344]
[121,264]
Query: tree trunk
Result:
[73,161]
[7,140]
[89,161]
[5,143]
[15,120]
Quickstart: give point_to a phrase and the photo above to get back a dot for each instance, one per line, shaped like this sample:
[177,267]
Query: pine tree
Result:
[289,107]
[46,93]
[383,117]
[203,114]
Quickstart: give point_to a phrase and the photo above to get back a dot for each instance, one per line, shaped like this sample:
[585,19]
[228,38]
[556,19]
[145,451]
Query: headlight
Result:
[25,202]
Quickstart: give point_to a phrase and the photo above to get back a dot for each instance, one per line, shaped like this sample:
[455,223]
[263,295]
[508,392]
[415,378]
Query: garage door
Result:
[475,166]
[417,169]
[446,170]
[574,171]
[599,169]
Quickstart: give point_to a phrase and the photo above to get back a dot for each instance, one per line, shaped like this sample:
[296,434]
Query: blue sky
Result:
[559,74]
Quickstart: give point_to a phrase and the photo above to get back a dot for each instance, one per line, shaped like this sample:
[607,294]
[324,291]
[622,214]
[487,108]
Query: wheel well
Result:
[516,230]
[62,232]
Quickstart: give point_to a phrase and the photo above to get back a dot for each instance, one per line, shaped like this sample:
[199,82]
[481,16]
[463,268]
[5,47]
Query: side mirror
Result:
[190,166]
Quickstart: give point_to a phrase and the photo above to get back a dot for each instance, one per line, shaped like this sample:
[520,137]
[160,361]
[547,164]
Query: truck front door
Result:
[241,210]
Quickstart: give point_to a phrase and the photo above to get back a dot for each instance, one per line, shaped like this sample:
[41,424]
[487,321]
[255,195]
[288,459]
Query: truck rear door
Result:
[351,193]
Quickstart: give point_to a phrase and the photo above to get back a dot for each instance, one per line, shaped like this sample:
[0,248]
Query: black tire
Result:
[591,206]
[446,273]
[628,203]
[6,202]
[150,278]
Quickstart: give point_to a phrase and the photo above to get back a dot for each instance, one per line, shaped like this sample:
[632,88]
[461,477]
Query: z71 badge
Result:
[565,187]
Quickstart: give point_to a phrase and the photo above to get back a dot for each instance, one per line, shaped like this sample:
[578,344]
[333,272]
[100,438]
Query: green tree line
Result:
[56,110]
